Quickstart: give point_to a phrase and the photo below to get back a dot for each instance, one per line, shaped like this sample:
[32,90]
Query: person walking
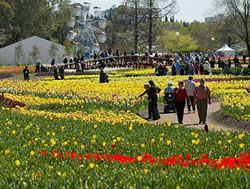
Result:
[182,69]
[152,94]
[104,77]
[202,98]
[65,61]
[146,87]
[181,94]
[61,72]
[173,70]
[186,68]
[191,69]
[56,73]
[38,66]
[26,73]
[177,66]
[202,72]
[190,86]
[196,68]
[206,68]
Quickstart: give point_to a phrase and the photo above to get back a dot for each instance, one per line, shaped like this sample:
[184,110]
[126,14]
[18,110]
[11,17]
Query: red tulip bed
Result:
[15,69]
[5,102]
[243,162]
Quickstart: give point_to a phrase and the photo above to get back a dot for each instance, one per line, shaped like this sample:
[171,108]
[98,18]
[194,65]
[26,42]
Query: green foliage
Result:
[53,50]
[203,34]
[7,14]
[43,18]
[186,43]
[35,53]
[19,53]
[68,47]
[246,71]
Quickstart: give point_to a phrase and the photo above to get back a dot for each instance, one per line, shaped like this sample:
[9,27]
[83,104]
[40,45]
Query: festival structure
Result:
[86,29]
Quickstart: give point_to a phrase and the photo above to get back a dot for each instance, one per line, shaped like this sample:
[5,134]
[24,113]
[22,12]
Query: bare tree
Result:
[236,18]
[148,11]
[158,9]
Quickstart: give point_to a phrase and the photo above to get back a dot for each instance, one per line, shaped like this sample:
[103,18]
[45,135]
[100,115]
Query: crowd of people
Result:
[196,97]
[181,64]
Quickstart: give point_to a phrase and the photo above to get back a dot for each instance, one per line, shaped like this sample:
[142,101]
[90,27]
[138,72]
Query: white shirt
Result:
[190,86]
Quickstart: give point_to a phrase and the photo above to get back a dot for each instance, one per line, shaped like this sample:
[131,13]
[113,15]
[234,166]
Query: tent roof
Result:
[31,39]
[225,48]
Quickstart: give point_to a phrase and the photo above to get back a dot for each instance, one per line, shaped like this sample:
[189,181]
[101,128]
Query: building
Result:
[210,20]
[9,54]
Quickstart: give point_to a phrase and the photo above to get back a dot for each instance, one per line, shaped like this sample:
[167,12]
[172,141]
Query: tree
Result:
[19,53]
[6,26]
[157,9]
[236,19]
[44,18]
[63,13]
[203,34]
[120,29]
[186,42]
[53,50]
[35,53]
[146,14]
[68,48]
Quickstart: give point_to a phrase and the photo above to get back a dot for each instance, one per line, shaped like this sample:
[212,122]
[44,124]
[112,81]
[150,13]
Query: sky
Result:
[188,10]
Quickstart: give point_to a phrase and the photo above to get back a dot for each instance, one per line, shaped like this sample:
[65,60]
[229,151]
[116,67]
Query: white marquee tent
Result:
[8,54]
[226,51]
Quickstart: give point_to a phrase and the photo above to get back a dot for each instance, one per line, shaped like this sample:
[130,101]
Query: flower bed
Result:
[237,106]
[5,76]
[5,102]
[15,69]
[79,133]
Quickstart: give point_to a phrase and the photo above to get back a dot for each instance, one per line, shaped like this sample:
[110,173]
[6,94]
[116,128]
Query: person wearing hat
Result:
[170,89]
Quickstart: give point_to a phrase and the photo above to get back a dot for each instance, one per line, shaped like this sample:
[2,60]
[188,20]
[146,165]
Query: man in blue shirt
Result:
[170,89]
[177,65]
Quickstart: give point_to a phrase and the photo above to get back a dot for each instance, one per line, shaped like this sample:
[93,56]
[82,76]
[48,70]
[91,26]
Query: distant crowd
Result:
[180,64]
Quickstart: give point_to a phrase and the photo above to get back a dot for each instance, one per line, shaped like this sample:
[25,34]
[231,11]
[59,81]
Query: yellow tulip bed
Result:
[78,133]
[237,105]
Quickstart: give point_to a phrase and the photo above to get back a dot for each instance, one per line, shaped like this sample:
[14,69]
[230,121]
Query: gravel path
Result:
[215,118]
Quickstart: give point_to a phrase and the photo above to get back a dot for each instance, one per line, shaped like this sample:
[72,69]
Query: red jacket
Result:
[181,95]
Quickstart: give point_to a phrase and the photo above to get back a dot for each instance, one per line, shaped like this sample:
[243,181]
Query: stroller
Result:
[169,103]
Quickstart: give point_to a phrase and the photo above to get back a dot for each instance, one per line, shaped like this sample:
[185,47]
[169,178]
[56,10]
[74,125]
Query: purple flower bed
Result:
[5,76]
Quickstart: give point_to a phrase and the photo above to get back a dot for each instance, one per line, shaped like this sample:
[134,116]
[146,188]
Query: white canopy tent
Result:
[226,51]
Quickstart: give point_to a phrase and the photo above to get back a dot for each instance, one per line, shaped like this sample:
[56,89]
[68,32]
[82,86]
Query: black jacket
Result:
[152,93]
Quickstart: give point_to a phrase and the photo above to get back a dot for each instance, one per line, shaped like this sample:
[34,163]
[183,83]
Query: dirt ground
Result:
[215,118]
[32,77]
